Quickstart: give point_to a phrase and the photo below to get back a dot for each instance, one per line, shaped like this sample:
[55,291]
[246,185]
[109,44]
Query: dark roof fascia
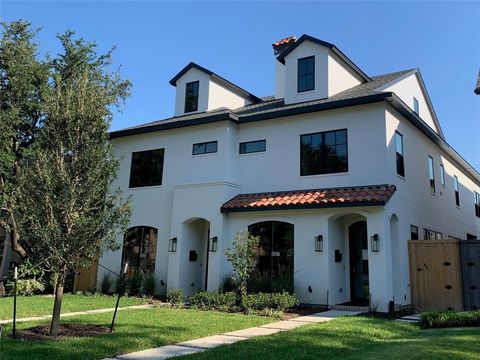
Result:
[175,124]
[332,47]
[303,206]
[408,113]
[218,79]
[367,99]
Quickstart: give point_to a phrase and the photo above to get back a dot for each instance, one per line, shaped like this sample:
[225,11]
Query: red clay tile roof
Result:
[332,197]
[290,39]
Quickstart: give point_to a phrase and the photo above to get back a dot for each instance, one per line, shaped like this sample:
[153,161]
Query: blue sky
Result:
[157,39]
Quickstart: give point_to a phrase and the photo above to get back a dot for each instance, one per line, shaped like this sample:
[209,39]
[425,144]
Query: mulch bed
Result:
[42,332]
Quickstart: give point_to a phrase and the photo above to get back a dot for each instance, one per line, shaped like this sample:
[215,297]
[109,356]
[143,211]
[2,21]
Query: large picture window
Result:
[146,168]
[191,96]
[140,250]
[324,153]
[306,74]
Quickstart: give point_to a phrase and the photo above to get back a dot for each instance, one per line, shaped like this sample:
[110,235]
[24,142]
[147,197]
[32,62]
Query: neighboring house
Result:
[335,172]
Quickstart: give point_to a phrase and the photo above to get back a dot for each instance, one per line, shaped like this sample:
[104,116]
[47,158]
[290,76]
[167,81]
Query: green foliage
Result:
[30,280]
[26,287]
[175,297]
[275,301]
[148,285]
[121,285]
[221,301]
[134,284]
[241,257]
[449,319]
[261,283]
[228,283]
[106,284]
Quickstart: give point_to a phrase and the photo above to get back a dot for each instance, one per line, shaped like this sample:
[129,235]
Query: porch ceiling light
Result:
[375,243]
[172,245]
[213,244]
[319,243]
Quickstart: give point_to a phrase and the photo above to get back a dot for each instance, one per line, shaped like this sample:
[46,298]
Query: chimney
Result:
[278,48]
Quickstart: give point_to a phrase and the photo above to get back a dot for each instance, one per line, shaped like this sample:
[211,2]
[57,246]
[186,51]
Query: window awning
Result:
[372,195]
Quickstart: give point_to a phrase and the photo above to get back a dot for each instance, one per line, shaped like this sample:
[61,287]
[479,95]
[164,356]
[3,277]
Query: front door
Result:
[358,247]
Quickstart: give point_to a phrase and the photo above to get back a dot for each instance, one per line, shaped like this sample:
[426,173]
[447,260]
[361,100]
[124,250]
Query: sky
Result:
[156,39]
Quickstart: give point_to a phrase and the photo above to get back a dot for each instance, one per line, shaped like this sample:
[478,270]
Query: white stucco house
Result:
[335,172]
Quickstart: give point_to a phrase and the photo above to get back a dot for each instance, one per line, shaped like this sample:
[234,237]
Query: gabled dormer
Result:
[200,90]
[314,69]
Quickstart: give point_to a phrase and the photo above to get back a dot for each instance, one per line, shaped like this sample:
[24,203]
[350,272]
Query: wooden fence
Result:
[86,278]
[445,274]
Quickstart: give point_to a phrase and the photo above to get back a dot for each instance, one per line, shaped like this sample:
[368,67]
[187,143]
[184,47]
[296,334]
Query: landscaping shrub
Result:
[228,284]
[148,285]
[134,284]
[449,319]
[175,296]
[26,287]
[106,284]
[30,279]
[276,301]
[221,301]
[121,285]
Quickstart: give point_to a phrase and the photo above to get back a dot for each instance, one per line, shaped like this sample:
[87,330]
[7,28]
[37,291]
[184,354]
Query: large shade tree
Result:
[67,209]
[23,84]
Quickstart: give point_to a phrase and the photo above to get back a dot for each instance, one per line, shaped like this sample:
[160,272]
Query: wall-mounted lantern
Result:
[319,243]
[375,243]
[172,245]
[213,244]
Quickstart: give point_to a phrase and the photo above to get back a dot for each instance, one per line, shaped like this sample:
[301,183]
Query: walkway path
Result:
[202,344]
[87,312]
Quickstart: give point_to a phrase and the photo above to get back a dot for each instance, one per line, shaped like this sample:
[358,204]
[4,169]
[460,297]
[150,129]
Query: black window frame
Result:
[242,147]
[413,232]
[477,203]
[135,179]
[431,174]
[323,153]
[436,234]
[194,105]
[456,186]
[399,157]
[442,175]
[205,151]
[307,74]
[416,106]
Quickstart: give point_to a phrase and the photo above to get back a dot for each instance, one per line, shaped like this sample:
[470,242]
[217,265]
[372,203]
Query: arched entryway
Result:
[195,255]
[140,250]
[358,251]
[274,259]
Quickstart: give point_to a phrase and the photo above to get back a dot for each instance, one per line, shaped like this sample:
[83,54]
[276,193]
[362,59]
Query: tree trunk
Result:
[57,306]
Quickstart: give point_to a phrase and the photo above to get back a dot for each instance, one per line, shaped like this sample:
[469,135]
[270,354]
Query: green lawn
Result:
[356,338]
[28,306]
[135,330]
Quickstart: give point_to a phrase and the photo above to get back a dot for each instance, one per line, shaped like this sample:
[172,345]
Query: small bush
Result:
[221,301]
[449,319]
[106,284]
[121,285]
[175,297]
[148,285]
[26,287]
[228,284]
[134,284]
[276,301]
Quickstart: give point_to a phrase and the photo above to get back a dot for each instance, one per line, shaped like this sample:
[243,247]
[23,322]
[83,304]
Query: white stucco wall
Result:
[340,78]
[219,96]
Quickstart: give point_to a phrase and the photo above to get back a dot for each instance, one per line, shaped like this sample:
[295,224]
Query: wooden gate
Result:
[86,278]
[435,274]
[470,262]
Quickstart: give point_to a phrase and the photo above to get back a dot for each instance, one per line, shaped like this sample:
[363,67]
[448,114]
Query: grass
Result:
[356,338]
[134,330]
[37,305]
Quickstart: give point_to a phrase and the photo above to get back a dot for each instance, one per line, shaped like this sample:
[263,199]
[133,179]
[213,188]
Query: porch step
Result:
[362,309]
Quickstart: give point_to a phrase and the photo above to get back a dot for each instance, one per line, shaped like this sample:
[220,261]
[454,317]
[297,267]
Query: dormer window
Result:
[306,74]
[191,96]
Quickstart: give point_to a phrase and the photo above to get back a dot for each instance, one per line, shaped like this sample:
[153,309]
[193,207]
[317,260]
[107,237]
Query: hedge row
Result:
[449,319]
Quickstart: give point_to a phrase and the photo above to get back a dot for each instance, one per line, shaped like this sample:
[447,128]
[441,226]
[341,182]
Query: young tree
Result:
[23,83]
[241,257]
[64,192]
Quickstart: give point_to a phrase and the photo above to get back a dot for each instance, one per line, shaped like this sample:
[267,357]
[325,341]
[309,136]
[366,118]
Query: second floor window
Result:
[431,174]
[146,168]
[431,235]
[324,153]
[442,175]
[477,204]
[205,148]
[413,232]
[416,107]
[253,146]
[457,191]
[399,153]
[191,96]
[306,74]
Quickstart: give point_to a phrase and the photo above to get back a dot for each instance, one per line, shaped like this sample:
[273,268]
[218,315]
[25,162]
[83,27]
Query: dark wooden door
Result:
[358,250]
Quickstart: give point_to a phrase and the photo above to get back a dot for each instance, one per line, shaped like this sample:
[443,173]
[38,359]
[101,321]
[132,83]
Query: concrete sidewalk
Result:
[209,342]
[87,312]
